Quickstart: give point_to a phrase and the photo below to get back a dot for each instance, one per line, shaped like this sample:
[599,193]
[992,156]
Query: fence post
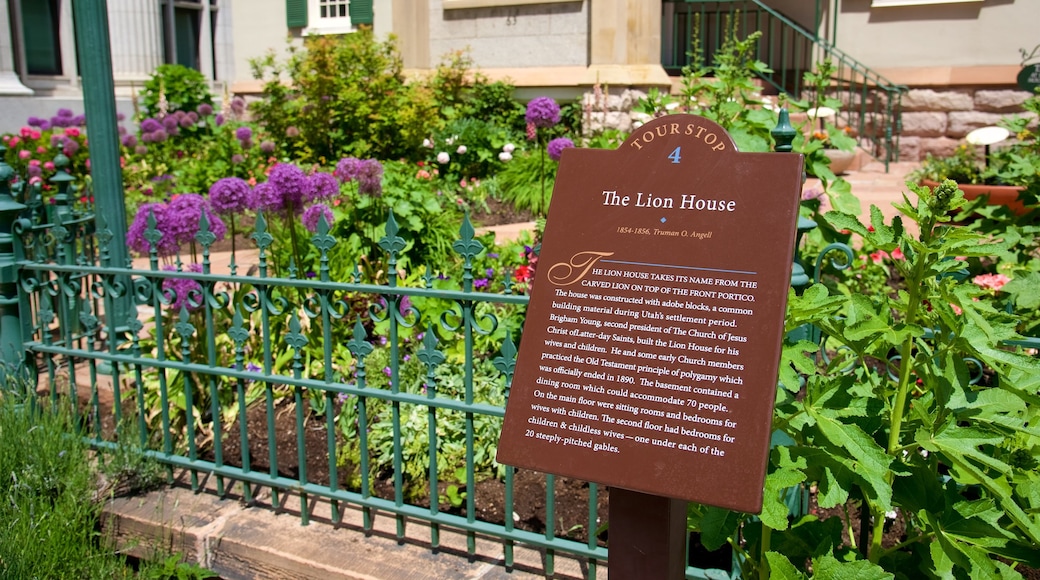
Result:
[92,43]
[12,351]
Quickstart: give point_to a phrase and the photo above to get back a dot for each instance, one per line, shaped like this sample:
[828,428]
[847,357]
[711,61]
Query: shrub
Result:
[174,87]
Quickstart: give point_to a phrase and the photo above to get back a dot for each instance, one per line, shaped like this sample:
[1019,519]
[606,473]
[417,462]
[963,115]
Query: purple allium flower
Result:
[237,159]
[220,119]
[193,116]
[265,198]
[186,121]
[267,147]
[79,121]
[184,212]
[243,133]
[33,121]
[159,136]
[34,169]
[170,123]
[121,129]
[120,117]
[129,141]
[292,132]
[44,124]
[150,125]
[291,184]
[70,148]
[135,234]
[140,150]
[368,173]
[65,113]
[205,109]
[556,146]
[313,215]
[348,169]
[543,112]
[229,195]
[183,291]
[238,105]
[321,186]
[370,180]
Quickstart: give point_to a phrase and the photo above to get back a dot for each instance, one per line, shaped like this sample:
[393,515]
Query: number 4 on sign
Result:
[674,156]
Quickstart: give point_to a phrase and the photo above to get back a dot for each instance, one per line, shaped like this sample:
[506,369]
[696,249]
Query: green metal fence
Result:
[871,104]
[380,367]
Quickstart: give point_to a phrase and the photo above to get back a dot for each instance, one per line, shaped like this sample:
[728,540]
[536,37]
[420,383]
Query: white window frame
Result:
[318,25]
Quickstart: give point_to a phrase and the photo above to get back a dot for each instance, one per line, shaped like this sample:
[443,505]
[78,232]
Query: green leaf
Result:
[780,568]
[842,199]
[869,460]
[717,526]
[845,221]
[918,490]
[830,568]
[774,509]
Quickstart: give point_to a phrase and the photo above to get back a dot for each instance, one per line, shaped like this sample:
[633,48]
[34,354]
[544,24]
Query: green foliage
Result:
[913,436]
[520,183]
[724,91]
[347,97]
[174,87]
[50,508]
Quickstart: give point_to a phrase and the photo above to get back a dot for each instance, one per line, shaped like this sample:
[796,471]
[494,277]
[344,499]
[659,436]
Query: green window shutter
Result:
[296,13]
[360,12]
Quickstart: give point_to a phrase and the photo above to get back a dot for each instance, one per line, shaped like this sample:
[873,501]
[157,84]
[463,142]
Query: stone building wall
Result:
[936,121]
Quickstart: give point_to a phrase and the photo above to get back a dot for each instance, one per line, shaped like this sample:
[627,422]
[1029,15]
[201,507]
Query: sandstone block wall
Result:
[936,121]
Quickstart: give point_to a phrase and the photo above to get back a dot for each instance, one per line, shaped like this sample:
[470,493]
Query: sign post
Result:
[650,351]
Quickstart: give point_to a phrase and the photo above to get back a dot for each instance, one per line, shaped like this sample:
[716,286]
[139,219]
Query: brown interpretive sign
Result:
[652,341]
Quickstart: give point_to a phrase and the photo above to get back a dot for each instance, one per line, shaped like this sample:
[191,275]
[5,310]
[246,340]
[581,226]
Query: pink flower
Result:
[72,131]
[956,309]
[24,154]
[14,141]
[443,157]
[41,150]
[991,281]
[49,166]
[878,256]
[897,254]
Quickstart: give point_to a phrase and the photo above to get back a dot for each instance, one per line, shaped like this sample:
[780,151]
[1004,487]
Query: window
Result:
[328,16]
[42,40]
[183,23]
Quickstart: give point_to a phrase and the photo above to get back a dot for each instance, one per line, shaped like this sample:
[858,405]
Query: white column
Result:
[10,84]
[206,42]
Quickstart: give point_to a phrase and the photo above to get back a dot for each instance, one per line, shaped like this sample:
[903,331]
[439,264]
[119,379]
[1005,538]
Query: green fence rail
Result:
[871,104]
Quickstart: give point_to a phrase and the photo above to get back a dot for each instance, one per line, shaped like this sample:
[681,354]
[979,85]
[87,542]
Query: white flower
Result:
[505,156]
[508,148]
[443,157]
[461,150]
[451,140]
[427,143]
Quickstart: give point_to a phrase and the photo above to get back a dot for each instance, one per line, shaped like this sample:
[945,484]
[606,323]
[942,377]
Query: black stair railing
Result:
[871,104]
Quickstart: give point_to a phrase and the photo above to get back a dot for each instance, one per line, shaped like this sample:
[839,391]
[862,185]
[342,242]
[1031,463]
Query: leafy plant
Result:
[724,91]
[886,419]
[174,87]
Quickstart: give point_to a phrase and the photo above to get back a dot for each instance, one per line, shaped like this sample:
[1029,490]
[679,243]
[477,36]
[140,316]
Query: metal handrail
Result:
[871,103]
